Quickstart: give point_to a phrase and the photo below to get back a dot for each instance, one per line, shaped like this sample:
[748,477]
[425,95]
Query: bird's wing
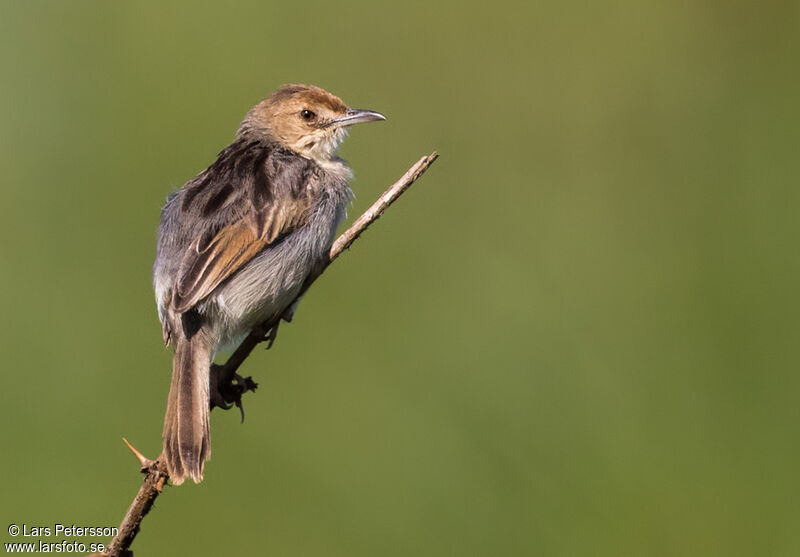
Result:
[280,206]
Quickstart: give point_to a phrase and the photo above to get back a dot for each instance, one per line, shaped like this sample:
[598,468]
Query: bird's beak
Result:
[354,116]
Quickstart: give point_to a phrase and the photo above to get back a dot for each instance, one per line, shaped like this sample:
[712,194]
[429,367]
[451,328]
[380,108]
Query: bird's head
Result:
[305,119]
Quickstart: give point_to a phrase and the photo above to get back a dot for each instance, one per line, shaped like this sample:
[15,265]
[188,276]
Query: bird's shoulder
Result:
[250,172]
[254,194]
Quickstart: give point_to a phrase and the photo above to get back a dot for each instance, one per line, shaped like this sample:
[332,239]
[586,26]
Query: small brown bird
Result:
[236,243]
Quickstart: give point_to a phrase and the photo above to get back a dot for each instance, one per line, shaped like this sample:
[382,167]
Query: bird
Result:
[237,242]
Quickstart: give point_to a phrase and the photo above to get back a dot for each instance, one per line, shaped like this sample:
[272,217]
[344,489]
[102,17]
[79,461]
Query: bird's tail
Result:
[187,439]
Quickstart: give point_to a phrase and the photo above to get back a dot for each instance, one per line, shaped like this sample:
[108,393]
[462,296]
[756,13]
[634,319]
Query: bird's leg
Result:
[227,387]
[216,398]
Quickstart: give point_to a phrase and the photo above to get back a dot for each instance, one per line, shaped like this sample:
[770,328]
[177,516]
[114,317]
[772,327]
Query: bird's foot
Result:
[226,388]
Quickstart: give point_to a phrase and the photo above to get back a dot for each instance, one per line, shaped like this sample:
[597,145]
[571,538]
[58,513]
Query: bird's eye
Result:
[307,114]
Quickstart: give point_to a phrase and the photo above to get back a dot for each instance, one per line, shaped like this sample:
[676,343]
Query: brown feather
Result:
[186,436]
[262,189]
[204,268]
[202,271]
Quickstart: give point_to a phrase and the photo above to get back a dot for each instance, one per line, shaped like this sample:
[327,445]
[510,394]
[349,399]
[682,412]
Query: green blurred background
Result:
[576,335]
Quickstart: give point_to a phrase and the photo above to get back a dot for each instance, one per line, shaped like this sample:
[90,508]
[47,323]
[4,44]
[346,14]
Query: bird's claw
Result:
[226,389]
[271,335]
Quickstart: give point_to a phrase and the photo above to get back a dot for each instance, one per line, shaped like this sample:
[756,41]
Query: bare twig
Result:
[372,214]
[154,480]
[155,471]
